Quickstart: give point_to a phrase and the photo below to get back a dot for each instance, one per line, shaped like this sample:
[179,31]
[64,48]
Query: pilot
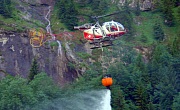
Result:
[113,28]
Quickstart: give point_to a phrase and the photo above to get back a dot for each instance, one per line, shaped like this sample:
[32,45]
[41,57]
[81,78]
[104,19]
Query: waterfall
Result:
[106,105]
[59,48]
[91,100]
[48,29]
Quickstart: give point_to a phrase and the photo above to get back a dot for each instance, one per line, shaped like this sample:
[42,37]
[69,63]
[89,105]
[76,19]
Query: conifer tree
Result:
[125,18]
[158,32]
[70,18]
[141,96]
[176,68]
[143,38]
[137,10]
[176,15]
[139,64]
[67,13]
[15,94]
[176,102]
[167,6]
[5,8]
[175,46]
[34,69]
[62,9]
[118,101]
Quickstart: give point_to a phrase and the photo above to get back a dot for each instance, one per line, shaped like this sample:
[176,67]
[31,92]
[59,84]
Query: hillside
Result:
[144,63]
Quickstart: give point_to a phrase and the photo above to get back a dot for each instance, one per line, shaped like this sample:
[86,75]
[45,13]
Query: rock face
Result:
[39,2]
[16,53]
[144,4]
[34,9]
[16,56]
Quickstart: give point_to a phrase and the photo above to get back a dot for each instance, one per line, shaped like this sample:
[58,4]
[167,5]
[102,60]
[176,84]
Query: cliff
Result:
[16,53]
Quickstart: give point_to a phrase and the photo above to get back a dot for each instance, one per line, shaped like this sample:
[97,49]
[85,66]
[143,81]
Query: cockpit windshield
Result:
[113,26]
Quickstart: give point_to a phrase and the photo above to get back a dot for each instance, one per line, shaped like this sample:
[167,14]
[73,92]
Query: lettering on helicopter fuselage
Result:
[89,36]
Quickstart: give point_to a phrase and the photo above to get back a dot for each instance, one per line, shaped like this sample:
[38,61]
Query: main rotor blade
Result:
[96,17]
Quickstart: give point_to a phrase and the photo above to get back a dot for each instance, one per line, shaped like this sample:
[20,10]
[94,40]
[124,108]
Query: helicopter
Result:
[101,36]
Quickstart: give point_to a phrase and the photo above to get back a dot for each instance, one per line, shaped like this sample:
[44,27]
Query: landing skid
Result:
[100,44]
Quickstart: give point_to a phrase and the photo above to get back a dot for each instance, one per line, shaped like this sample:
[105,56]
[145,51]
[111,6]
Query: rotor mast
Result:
[97,22]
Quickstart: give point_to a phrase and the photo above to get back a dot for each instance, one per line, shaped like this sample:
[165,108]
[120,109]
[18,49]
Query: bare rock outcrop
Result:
[39,2]
[144,4]
[34,9]
[16,57]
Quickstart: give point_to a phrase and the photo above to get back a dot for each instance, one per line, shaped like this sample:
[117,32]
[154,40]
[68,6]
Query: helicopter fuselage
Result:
[108,29]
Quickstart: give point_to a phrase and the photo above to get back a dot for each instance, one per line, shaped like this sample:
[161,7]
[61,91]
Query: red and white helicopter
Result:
[101,36]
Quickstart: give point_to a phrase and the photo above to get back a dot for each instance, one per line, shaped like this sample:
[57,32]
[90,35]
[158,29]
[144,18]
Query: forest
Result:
[145,80]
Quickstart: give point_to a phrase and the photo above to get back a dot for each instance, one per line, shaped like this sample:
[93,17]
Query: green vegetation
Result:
[6,8]
[84,55]
[56,24]
[147,80]
[70,11]
[137,85]
[10,18]
[67,13]
[52,44]
[141,82]
[158,32]
[17,94]
[34,69]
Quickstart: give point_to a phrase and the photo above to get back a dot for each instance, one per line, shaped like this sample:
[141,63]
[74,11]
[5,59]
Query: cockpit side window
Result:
[120,26]
[108,27]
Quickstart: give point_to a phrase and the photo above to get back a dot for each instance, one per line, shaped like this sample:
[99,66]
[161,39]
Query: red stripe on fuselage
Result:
[91,36]
[116,34]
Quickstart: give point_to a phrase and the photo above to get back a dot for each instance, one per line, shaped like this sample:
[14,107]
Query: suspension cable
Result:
[102,60]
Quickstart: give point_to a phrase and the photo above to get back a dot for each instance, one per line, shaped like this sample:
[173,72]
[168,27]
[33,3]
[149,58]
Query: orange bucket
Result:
[107,81]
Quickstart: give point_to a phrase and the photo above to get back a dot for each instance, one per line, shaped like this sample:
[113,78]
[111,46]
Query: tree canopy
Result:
[6,8]
[16,93]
